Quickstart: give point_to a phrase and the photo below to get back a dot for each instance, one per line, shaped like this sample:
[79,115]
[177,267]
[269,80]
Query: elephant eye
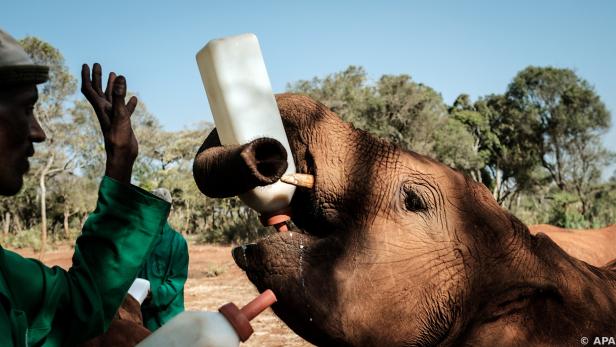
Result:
[413,202]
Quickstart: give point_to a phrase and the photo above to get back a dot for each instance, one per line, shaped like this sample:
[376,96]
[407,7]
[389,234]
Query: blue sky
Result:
[474,47]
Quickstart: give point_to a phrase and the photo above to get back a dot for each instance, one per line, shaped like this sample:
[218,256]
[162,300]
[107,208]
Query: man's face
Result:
[18,131]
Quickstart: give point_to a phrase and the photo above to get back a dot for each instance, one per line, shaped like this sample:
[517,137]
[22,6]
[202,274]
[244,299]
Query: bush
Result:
[28,238]
[246,230]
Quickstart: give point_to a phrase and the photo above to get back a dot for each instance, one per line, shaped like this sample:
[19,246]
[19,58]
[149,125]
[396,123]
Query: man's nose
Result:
[37,134]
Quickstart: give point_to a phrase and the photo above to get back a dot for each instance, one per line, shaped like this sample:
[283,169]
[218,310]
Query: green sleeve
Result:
[68,307]
[164,295]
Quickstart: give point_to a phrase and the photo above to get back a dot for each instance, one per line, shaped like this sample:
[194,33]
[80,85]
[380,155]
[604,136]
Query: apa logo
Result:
[604,341]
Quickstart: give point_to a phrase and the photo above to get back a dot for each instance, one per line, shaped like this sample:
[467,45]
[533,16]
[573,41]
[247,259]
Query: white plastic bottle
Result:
[139,289]
[244,108]
[225,328]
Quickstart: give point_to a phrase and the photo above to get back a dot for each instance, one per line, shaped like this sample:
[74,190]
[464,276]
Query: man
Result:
[41,306]
[167,270]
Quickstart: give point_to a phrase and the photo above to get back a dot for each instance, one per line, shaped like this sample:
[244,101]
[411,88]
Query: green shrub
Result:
[28,238]
[246,230]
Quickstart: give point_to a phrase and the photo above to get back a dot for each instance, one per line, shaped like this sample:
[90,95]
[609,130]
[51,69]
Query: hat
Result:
[15,64]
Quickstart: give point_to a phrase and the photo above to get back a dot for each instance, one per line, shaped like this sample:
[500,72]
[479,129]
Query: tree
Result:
[483,143]
[88,144]
[72,195]
[566,119]
[172,169]
[407,113]
[346,93]
[506,156]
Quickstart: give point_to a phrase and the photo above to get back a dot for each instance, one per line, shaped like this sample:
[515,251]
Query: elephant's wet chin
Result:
[273,258]
[296,266]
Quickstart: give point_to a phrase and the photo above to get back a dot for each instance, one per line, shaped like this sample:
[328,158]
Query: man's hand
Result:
[114,117]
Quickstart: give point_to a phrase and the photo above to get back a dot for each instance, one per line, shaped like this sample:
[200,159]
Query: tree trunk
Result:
[43,204]
[185,229]
[66,215]
[497,185]
[7,223]
[18,226]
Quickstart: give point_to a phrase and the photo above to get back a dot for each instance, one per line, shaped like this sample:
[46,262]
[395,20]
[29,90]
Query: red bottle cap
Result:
[278,219]
[240,319]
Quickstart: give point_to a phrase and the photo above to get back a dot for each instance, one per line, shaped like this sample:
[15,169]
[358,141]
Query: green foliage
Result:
[561,111]
[346,93]
[603,206]
[561,119]
[231,223]
[29,238]
[463,153]
[565,212]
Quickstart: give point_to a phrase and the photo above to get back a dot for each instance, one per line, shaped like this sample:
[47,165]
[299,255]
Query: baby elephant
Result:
[396,249]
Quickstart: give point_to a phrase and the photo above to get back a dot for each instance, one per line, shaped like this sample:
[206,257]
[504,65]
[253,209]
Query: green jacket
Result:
[42,306]
[166,269]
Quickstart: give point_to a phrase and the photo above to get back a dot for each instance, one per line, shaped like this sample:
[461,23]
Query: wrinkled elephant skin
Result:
[396,249]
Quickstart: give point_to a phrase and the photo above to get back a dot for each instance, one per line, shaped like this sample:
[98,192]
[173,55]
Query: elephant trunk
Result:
[224,171]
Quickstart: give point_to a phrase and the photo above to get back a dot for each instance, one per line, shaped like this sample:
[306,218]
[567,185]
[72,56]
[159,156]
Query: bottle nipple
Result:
[240,318]
[278,219]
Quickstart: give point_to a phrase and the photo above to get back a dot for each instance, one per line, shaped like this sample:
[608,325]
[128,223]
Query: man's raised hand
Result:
[114,117]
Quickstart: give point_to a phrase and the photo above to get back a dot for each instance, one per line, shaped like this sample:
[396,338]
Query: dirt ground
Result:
[213,280]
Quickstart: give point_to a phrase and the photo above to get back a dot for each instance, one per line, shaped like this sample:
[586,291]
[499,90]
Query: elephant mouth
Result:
[307,215]
[272,251]
[279,248]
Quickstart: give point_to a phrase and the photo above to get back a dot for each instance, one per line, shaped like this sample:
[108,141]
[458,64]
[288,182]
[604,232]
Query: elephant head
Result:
[396,249]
